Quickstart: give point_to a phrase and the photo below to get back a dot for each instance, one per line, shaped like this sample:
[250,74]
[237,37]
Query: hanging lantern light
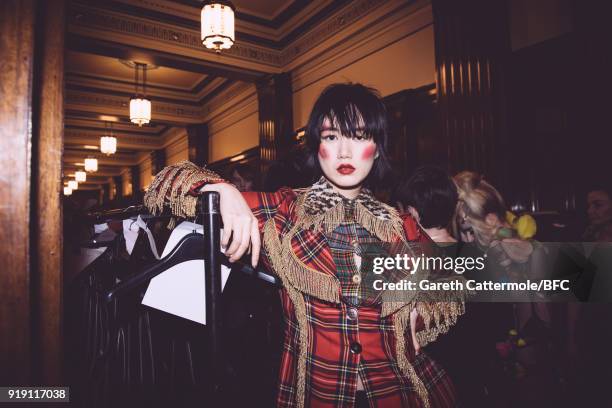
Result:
[73,185]
[80,176]
[91,164]
[108,143]
[217,19]
[140,106]
[67,191]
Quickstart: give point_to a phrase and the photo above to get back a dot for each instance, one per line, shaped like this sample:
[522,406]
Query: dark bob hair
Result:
[347,105]
[432,193]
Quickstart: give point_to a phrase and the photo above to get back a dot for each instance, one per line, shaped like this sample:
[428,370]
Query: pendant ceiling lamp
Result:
[80,176]
[91,164]
[67,191]
[73,185]
[108,142]
[140,106]
[217,19]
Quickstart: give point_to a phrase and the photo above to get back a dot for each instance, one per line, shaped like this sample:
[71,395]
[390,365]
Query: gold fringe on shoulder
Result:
[401,321]
[170,189]
[385,230]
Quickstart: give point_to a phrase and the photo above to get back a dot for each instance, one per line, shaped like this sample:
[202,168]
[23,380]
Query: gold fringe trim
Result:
[272,245]
[170,189]
[389,230]
[324,222]
[385,230]
[401,321]
[286,263]
[438,318]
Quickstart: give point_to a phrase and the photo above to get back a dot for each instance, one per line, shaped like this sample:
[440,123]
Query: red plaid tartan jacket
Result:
[325,349]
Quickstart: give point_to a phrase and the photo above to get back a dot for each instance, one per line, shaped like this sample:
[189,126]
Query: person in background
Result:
[599,212]
[512,256]
[243,176]
[430,196]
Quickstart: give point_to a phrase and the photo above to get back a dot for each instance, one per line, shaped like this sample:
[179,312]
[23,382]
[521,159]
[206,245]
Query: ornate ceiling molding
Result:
[80,100]
[92,138]
[101,23]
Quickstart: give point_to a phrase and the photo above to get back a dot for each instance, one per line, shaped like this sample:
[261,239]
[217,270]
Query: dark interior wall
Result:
[535,127]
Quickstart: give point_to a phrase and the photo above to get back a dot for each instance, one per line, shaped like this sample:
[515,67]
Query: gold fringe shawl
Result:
[170,188]
[273,247]
[387,230]
[401,321]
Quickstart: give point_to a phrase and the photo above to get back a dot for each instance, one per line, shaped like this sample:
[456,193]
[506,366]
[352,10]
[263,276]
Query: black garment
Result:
[467,351]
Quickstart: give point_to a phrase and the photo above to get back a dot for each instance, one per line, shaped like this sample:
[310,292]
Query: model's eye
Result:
[329,137]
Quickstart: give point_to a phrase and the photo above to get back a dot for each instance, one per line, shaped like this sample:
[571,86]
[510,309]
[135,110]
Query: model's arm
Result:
[176,188]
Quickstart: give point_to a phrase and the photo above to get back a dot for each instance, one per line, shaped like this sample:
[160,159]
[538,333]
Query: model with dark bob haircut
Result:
[357,111]
[343,346]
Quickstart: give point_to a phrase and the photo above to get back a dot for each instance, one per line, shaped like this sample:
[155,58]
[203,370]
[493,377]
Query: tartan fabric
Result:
[331,367]
[345,242]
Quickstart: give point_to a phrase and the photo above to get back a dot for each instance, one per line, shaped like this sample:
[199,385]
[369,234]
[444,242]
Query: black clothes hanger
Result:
[189,248]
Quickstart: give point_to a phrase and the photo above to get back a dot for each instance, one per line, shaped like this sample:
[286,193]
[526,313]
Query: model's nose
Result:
[345,150]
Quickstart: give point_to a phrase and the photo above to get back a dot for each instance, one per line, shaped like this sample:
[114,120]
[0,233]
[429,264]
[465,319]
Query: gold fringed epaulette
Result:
[170,189]
[438,318]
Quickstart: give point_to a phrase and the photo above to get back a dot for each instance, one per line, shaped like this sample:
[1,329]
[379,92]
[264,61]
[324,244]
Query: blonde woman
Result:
[481,218]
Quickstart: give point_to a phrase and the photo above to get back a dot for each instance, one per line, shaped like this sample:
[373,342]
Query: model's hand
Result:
[414,315]
[239,223]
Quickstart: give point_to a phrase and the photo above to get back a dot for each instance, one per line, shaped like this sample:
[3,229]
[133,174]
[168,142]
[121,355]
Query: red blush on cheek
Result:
[323,152]
[368,152]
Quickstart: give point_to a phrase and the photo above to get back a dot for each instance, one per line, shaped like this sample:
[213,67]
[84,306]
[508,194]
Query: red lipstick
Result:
[345,169]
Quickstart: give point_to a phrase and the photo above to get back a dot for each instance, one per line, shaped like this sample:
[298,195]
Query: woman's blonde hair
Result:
[477,199]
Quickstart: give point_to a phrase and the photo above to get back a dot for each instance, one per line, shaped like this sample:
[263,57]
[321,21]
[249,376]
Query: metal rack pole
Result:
[211,220]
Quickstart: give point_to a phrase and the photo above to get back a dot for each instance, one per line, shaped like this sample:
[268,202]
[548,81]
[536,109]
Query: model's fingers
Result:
[227,231]
[255,243]
[245,241]
[236,240]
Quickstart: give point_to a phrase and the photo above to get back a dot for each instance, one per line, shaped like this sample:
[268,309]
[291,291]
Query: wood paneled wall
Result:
[17,56]
[31,128]
[48,144]
[471,38]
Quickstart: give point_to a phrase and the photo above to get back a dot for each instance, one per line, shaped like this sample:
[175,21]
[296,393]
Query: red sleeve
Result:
[412,230]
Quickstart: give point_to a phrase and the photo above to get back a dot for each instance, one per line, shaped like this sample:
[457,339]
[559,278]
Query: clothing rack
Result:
[121,331]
